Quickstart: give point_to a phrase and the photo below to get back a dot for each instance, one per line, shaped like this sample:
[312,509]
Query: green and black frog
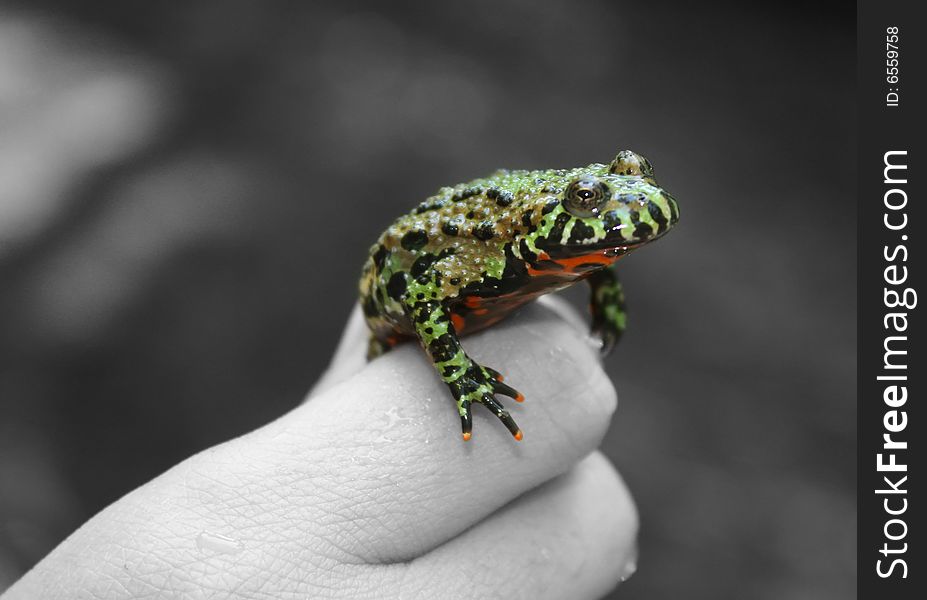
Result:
[471,254]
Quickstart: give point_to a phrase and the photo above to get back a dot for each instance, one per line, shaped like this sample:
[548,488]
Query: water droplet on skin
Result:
[393,416]
[214,542]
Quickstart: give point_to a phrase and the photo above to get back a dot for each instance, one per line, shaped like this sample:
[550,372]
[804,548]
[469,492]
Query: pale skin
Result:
[367,491]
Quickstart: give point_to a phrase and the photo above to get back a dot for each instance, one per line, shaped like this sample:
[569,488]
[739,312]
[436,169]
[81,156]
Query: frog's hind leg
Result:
[378,346]
[469,382]
[382,336]
[607,305]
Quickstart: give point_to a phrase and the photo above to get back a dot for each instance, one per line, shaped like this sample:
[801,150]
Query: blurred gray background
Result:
[168,277]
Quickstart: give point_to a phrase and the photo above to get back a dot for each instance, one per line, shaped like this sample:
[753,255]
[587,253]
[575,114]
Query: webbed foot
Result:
[469,382]
[478,385]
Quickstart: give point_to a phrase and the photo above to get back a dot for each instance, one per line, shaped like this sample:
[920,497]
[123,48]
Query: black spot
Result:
[421,269]
[514,271]
[470,214]
[526,218]
[484,231]
[396,286]
[556,232]
[422,312]
[580,232]
[443,348]
[526,252]
[611,219]
[429,330]
[501,197]
[421,266]
[420,296]
[657,214]
[414,240]
[430,205]
[643,231]
[550,206]
[467,384]
[379,257]
[467,193]
[473,372]
[449,370]
[455,280]
[450,228]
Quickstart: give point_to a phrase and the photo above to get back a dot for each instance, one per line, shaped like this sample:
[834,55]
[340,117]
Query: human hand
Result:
[367,491]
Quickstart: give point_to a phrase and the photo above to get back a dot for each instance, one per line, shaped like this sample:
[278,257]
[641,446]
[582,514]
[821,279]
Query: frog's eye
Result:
[631,163]
[585,197]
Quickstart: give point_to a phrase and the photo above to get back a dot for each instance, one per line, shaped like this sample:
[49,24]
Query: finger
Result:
[371,471]
[350,355]
[564,310]
[574,537]
[385,444]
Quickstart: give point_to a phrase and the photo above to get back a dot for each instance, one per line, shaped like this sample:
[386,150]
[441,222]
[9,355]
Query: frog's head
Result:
[614,208]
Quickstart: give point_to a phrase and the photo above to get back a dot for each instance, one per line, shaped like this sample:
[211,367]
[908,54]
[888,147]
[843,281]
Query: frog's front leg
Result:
[607,304]
[469,382]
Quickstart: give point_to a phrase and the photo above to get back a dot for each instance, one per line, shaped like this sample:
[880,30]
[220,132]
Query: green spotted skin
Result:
[471,254]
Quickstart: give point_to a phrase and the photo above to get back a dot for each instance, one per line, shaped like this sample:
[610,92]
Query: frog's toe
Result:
[506,390]
[609,338]
[490,402]
[496,380]
[466,420]
[494,374]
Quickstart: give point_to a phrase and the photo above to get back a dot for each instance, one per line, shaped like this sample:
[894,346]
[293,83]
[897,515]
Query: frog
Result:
[473,253]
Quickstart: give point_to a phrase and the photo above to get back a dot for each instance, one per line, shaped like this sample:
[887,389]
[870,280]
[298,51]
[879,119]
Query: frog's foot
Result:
[469,382]
[478,385]
[607,306]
